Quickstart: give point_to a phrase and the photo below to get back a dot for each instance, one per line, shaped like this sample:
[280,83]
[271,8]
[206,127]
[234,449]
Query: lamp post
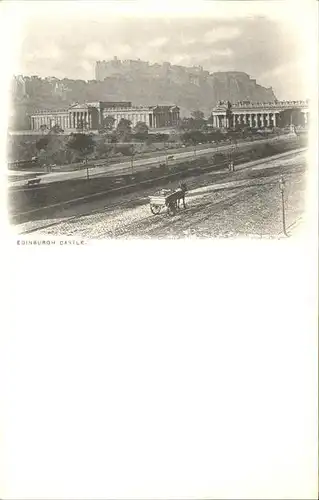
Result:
[87,169]
[132,160]
[282,183]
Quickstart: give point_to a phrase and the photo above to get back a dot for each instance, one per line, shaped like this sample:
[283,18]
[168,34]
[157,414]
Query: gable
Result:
[79,107]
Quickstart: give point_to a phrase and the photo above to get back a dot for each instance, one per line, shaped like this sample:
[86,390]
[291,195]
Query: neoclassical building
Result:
[90,116]
[256,114]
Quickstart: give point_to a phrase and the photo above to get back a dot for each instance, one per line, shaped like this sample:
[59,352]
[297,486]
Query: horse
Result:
[173,200]
[180,194]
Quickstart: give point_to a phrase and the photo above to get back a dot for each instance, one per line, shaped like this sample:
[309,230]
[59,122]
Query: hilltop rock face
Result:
[189,88]
[236,86]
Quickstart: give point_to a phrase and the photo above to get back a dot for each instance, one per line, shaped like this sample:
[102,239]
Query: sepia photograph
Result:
[159,320]
[171,126]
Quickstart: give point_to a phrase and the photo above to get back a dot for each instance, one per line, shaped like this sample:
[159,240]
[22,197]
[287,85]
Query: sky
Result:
[263,39]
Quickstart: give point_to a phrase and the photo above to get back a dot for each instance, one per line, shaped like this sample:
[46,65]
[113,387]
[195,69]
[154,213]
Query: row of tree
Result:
[196,122]
[123,131]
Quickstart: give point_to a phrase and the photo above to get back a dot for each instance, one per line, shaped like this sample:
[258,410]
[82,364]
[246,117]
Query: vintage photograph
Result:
[159,313]
[126,126]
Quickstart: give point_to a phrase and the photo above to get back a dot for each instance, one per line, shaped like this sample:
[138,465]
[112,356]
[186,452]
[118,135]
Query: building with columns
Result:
[90,116]
[255,114]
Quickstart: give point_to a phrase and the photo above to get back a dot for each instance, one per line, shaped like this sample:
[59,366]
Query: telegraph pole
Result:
[282,190]
[87,169]
[132,159]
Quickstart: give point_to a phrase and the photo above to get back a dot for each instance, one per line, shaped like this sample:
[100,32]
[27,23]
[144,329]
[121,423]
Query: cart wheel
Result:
[155,209]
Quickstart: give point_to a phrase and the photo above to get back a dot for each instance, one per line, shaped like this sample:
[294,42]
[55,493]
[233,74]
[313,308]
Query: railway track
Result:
[151,223]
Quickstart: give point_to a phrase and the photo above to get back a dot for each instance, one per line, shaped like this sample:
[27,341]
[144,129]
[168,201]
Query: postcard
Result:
[160,227]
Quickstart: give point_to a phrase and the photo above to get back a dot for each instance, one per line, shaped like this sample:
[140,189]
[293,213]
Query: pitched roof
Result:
[80,106]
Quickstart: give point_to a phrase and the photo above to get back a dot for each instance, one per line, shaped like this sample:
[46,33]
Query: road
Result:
[140,164]
[246,202]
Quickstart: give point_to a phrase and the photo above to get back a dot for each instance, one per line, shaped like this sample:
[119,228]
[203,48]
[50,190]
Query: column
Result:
[224,121]
[271,119]
[275,115]
[306,118]
[215,121]
[253,120]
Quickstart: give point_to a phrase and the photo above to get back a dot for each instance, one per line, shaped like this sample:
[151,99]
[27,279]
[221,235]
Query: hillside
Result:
[177,85]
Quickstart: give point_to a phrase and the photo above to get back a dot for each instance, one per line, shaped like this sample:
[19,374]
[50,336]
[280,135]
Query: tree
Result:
[229,115]
[195,122]
[108,123]
[141,128]
[50,148]
[103,148]
[141,131]
[197,115]
[215,135]
[43,128]
[42,143]
[124,129]
[56,129]
[193,137]
[82,143]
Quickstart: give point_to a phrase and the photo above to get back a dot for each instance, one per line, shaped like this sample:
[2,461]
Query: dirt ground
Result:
[243,203]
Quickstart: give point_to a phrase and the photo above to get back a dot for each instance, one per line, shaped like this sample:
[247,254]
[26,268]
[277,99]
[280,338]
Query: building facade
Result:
[90,116]
[255,114]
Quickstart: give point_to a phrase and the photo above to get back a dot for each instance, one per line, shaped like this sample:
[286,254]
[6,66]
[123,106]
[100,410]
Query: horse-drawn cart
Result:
[162,200]
[167,199]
